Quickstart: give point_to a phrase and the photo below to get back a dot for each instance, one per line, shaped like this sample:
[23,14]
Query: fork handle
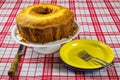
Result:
[98,62]
[107,64]
[103,63]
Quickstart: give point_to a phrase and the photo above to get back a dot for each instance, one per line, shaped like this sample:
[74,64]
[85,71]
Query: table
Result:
[99,20]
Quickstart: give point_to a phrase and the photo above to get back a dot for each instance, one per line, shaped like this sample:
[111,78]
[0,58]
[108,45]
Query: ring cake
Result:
[44,23]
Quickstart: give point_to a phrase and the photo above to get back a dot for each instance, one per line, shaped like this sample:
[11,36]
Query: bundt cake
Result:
[44,23]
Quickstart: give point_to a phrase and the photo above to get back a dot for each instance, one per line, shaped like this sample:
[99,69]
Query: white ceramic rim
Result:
[17,38]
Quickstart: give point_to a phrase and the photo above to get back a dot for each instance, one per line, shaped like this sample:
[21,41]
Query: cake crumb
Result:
[24,41]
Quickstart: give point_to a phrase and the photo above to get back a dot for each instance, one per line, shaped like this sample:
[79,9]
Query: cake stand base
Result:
[47,50]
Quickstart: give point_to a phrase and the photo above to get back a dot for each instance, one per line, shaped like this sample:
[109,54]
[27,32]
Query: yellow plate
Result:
[69,53]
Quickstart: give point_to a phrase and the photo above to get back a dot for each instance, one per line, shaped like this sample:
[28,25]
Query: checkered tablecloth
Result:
[98,19]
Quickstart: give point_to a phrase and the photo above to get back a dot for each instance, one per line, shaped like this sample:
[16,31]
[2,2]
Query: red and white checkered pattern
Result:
[99,20]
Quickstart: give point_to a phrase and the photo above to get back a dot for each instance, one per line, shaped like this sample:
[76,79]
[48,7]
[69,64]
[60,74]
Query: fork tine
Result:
[84,55]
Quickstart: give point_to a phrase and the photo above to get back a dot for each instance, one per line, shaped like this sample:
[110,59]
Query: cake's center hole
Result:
[42,10]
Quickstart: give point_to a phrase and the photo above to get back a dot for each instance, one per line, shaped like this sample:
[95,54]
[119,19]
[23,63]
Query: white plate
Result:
[18,38]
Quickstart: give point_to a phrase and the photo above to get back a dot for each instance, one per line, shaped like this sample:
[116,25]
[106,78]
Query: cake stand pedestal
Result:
[47,48]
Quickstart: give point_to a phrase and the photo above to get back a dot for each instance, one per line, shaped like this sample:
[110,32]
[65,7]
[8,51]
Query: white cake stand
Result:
[47,48]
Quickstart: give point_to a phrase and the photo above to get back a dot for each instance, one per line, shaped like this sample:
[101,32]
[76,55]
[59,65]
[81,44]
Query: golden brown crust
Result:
[31,16]
[52,23]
